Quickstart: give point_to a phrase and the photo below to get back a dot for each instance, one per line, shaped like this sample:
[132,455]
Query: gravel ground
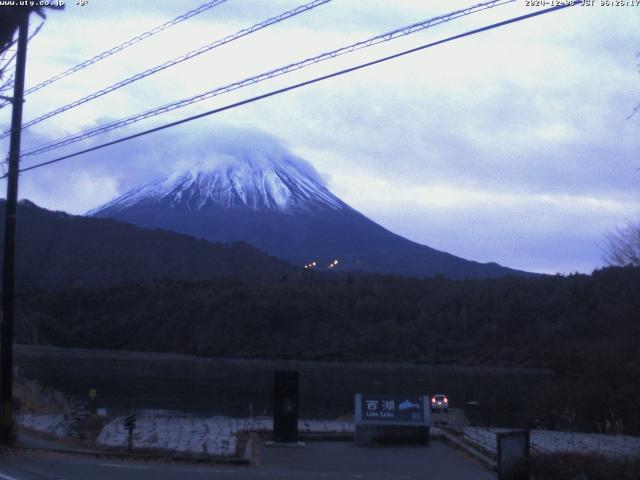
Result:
[545,441]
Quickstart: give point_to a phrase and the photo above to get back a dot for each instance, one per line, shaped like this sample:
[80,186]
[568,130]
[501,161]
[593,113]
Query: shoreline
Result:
[112,354]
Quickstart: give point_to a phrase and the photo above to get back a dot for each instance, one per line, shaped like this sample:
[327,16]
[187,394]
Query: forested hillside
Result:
[584,327]
[57,250]
[534,321]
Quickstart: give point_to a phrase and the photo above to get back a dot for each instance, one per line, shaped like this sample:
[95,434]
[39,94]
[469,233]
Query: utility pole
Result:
[8,272]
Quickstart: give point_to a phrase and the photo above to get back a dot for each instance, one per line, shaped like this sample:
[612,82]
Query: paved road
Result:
[455,417]
[316,461]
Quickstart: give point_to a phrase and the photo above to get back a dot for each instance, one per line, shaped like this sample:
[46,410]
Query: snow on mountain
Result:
[283,185]
[278,203]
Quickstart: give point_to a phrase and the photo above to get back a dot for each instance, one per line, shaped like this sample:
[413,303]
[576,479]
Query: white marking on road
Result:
[6,477]
[115,465]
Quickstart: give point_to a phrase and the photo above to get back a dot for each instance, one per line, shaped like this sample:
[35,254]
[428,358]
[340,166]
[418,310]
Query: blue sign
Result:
[392,409]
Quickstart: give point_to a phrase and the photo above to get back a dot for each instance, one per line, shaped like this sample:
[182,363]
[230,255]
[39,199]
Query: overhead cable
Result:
[182,58]
[302,84]
[384,37]
[132,41]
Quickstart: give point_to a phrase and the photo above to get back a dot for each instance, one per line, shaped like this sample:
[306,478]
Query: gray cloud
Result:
[116,169]
[510,146]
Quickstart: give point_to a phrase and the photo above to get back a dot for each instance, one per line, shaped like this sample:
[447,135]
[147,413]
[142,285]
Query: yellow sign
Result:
[92,393]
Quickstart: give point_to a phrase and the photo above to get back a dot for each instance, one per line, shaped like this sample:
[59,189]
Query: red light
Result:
[446,400]
[433,400]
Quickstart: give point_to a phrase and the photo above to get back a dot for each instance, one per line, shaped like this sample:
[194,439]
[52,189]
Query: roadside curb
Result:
[26,437]
[250,455]
[141,456]
[316,437]
[455,442]
[253,450]
[70,447]
[327,437]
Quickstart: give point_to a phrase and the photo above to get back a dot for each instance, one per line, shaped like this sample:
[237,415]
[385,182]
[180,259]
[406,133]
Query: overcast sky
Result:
[512,146]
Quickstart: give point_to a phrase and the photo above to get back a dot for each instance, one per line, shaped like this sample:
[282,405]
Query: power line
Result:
[187,56]
[132,41]
[384,37]
[303,84]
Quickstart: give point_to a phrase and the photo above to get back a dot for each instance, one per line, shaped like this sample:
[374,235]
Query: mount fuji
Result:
[279,204]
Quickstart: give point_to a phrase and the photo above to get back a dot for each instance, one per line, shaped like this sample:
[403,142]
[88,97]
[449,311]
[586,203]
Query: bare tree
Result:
[636,109]
[10,19]
[623,246]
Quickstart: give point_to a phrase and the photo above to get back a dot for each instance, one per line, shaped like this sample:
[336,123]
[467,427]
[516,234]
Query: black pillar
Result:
[8,273]
[285,406]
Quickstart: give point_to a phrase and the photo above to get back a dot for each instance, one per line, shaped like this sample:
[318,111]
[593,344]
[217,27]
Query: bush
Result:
[575,466]
[31,397]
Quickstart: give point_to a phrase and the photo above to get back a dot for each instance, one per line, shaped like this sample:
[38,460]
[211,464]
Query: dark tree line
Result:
[513,321]
[584,327]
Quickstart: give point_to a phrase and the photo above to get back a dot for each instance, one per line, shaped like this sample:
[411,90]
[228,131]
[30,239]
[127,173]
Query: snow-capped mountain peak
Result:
[286,185]
[256,191]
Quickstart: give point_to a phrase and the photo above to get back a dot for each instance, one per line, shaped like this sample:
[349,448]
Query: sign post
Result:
[130,424]
[392,419]
[92,400]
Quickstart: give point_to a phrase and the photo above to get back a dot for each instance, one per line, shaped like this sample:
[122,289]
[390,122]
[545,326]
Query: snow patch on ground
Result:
[211,435]
[60,425]
[203,435]
[179,433]
[545,441]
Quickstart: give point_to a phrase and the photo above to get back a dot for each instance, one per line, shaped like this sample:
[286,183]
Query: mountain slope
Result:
[282,207]
[55,249]
[245,186]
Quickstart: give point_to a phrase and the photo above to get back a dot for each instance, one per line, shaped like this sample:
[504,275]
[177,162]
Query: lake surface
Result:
[237,387]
